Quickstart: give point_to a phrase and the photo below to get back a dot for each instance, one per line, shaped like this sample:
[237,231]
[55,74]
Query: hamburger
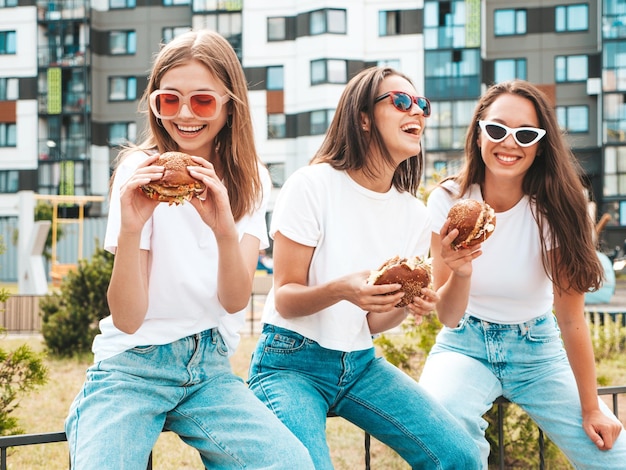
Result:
[176,185]
[474,220]
[413,273]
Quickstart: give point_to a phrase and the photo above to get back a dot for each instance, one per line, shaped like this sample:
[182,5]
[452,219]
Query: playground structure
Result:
[32,236]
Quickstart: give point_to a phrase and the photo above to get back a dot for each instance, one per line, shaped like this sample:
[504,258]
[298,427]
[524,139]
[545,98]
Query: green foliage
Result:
[608,335]
[21,371]
[70,318]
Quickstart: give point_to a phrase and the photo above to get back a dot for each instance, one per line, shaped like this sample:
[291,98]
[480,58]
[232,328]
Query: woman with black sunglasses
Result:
[513,307]
[351,209]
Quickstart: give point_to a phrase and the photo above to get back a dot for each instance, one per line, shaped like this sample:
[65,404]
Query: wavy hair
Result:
[554,184]
[346,145]
[235,149]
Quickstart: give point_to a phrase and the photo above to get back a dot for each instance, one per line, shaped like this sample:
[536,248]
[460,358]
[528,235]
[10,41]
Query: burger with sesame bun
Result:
[413,274]
[474,220]
[176,185]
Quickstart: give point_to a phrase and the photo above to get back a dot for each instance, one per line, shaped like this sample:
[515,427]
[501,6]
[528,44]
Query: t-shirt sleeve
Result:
[297,210]
[438,204]
[255,224]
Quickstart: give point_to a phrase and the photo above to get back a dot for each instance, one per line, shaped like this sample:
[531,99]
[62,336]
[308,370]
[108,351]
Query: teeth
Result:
[411,128]
[190,128]
[507,159]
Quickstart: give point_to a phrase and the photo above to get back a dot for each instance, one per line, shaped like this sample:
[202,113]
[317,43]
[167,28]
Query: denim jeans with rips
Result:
[186,387]
[302,382]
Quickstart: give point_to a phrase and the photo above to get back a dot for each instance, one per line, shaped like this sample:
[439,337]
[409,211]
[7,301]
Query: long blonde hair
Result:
[234,144]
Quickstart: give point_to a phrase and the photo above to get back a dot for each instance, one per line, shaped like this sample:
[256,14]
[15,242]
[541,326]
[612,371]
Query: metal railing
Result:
[52,437]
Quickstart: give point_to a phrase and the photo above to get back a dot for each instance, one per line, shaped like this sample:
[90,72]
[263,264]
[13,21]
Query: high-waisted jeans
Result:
[186,387]
[476,362]
[301,382]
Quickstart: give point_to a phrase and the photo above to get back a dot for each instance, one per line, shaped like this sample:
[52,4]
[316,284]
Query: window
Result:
[117,4]
[509,22]
[615,173]
[276,126]
[388,23]
[8,41]
[573,118]
[277,173]
[227,24]
[614,65]
[393,63]
[122,88]
[122,132]
[277,28]
[320,120]
[329,71]
[275,78]
[571,68]
[571,18]
[8,3]
[169,3]
[9,181]
[171,33]
[9,89]
[614,117]
[448,124]
[8,134]
[508,69]
[217,5]
[452,74]
[122,42]
[328,21]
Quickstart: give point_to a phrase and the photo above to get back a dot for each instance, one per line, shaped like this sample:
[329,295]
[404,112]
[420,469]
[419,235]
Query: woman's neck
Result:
[501,196]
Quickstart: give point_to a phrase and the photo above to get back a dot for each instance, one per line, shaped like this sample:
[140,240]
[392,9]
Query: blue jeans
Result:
[476,362]
[301,382]
[186,387]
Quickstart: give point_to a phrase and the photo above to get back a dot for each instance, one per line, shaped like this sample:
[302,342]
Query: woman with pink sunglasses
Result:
[513,306]
[181,281]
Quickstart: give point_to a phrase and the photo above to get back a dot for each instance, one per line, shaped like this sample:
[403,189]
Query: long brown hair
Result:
[346,144]
[234,144]
[554,184]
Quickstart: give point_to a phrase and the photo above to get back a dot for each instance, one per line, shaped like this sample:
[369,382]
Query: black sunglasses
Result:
[404,102]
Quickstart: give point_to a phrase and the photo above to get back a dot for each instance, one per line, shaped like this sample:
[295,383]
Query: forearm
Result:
[127,294]
[580,353]
[380,322]
[297,300]
[453,299]
[235,270]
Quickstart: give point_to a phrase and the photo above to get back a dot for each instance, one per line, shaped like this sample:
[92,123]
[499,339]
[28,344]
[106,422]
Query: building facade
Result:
[72,73]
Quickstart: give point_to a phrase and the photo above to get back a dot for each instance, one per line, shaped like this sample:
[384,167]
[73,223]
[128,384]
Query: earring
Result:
[159,122]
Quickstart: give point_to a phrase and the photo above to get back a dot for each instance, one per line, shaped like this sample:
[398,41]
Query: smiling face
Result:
[193,135]
[401,130]
[507,159]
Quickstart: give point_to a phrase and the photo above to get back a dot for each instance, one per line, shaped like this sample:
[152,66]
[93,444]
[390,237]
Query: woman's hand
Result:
[369,297]
[136,208]
[424,305]
[213,204]
[459,260]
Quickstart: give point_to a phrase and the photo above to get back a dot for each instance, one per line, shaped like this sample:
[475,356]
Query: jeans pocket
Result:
[543,330]
[284,342]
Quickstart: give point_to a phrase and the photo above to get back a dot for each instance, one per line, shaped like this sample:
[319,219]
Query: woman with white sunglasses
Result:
[513,306]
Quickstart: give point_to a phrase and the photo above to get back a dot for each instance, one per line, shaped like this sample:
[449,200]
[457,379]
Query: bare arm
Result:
[569,310]
[452,274]
[295,297]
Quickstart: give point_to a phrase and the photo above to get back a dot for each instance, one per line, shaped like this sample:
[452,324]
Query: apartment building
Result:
[72,72]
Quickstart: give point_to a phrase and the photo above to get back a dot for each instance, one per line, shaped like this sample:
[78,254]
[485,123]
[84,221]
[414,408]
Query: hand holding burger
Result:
[474,220]
[177,185]
[413,274]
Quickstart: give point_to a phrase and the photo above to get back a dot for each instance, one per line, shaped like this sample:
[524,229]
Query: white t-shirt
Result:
[352,229]
[509,284]
[183,266]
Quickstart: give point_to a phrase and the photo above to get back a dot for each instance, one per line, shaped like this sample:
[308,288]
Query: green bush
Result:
[21,371]
[70,317]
